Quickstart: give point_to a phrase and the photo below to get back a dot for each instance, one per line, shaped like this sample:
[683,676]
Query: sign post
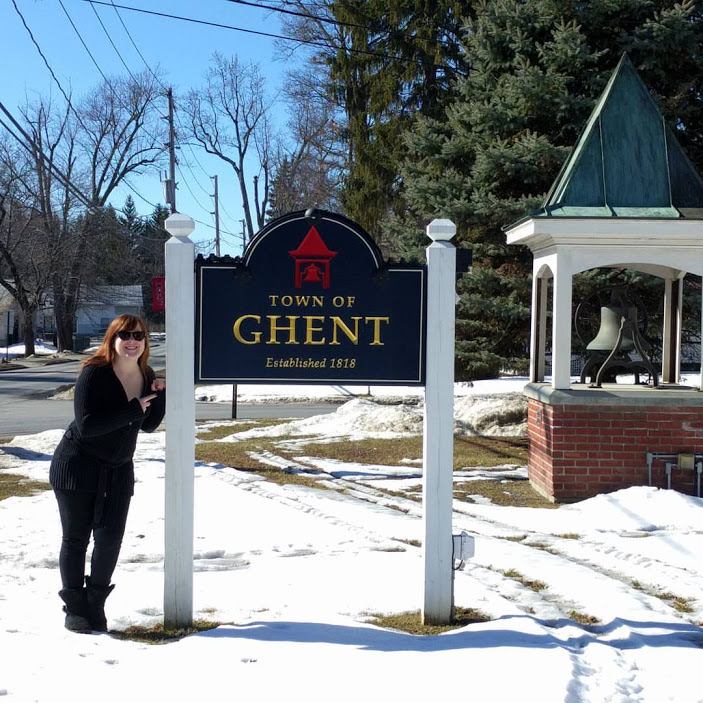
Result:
[180,423]
[438,435]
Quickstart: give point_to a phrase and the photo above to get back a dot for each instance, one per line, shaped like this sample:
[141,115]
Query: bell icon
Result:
[311,274]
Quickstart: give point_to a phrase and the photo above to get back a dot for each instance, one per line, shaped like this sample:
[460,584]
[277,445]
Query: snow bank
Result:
[502,415]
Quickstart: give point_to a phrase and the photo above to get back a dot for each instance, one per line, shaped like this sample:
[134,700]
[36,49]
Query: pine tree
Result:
[398,59]
[151,258]
[536,69]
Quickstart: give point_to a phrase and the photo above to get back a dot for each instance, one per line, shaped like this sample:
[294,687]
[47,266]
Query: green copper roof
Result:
[627,162]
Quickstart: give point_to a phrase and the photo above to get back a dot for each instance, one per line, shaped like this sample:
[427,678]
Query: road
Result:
[25,407]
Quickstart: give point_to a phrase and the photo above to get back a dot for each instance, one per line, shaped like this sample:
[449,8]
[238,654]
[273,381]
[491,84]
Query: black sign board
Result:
[310,301]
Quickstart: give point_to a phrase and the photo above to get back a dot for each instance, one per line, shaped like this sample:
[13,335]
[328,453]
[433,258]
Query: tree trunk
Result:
[64,323]
[29,333]
[66,294]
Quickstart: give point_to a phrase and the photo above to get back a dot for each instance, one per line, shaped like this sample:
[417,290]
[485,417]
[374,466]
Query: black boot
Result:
[76,609]
[96,596]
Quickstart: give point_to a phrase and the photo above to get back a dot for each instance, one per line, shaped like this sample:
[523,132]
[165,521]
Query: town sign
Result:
[310,301]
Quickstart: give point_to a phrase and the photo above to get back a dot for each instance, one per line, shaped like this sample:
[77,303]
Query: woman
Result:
[92,473]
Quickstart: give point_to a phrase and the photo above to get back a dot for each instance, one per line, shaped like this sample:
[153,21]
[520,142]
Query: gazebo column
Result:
[700,381]
[538,333]
[561,326]
[671,346]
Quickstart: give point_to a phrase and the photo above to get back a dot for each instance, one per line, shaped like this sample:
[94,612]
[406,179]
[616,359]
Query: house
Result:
[100,304]
[8,318]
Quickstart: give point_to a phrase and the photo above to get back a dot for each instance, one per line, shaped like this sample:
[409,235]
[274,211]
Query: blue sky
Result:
[182,50]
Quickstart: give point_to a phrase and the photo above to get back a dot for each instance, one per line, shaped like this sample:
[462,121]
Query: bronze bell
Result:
[610,322]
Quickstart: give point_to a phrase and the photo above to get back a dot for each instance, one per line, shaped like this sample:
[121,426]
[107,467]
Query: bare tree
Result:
[35,209]
[230,118]
[118,135]
[310,170]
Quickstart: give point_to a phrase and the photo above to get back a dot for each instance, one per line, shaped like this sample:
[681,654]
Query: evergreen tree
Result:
[397,58]
[132,225]
[151,258]
[536,70]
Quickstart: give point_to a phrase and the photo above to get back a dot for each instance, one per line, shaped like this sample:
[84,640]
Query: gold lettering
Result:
[338,301]
[284,329]
[287,300]
[256,336]
[272,300]
[274,329]
[377,329]
[337,323]
[317,301]
[310,329]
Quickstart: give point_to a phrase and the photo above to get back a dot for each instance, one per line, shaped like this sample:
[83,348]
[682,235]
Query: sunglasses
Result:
[137,335]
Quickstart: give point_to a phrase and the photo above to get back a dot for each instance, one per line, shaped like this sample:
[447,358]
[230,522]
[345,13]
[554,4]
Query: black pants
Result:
[77,511]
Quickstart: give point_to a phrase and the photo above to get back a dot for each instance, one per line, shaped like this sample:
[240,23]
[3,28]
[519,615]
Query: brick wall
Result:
[579,451]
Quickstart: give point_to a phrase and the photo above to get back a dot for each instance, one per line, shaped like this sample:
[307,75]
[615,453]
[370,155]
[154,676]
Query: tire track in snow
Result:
[294,499]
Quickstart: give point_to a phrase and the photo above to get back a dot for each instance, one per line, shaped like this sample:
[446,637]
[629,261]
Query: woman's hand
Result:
[158,385]
[145,402]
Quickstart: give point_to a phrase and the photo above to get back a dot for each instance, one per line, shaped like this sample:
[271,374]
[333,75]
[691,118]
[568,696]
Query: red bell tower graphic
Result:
[312,260]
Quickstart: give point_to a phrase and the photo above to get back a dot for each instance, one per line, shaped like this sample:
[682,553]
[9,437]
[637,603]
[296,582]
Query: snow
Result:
[294,573]
[17,350]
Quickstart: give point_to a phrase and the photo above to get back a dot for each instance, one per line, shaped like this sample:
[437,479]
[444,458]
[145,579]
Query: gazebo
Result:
[629,198]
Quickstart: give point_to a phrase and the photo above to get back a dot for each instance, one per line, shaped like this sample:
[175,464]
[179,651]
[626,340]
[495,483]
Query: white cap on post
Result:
[179,226]
[441,230]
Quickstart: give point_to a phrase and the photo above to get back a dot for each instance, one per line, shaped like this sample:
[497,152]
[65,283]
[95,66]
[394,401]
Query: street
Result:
[26,406]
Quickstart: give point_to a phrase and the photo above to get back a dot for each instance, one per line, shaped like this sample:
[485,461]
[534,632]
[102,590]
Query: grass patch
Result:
[411,622]
[411,542]
[583,618]
[16,486]
[236,455]
[483,452]
[569,535]
[468,451]
[544,547]
[158,634]
[515,492]
[536,586]
[220,431]
[678,603]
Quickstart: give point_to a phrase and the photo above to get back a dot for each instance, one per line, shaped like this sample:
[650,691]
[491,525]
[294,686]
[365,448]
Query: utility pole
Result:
[244,235]
[170,181]
[217,218]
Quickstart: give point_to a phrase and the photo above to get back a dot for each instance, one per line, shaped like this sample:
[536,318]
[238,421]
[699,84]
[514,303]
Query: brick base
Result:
[583,443]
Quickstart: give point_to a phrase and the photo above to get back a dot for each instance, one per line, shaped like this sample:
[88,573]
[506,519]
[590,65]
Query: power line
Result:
[85,46]
[327,20]
[270,35]
[148,202]
[31,146]
[34,150]
[296,13]
[180,124]
[109,38]
[41,53]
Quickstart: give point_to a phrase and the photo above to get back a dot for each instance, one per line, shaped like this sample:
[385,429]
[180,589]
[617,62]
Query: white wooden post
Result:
[561,328]
[180,422]
[438,438]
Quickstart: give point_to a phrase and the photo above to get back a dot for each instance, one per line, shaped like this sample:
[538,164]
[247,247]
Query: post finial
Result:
[441,230]
[179,225]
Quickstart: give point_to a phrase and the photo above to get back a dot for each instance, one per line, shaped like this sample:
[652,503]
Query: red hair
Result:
[105,354]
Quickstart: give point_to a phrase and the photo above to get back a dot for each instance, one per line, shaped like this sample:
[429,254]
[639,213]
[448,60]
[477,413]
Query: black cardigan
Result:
[103,435]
